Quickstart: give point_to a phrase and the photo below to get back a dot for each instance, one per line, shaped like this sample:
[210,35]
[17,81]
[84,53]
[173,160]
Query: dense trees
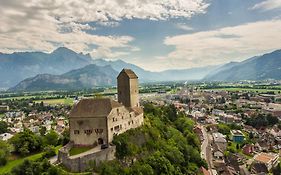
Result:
[226,128]
[65,137]
[49,151]
[42,130]
[36,168]
[262,120]
[51,138]
[5,149]
[277,170]
[26,142]
[3,127]
[165,144]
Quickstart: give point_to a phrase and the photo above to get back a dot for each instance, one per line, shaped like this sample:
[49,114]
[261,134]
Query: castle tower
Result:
[128,88]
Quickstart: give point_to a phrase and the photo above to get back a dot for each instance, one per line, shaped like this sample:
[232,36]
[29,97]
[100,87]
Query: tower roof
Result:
[131,74]
[94,107]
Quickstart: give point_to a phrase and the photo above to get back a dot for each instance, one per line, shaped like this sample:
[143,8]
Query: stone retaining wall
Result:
[81,163]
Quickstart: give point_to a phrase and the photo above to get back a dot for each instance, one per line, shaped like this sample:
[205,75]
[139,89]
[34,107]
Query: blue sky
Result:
[155,34]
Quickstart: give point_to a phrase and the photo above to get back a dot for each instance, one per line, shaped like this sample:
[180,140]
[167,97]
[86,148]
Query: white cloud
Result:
[225,44]
[43,24]
[109,23]
[267,5]
[104,52]
[183,26]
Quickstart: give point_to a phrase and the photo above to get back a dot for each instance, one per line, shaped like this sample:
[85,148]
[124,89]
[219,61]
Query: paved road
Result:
[204,143]
[206,152]
[53,160]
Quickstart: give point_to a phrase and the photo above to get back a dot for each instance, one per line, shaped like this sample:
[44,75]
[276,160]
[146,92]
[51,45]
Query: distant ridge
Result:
[267,66]
[20,65]
[89,76]
[62,62]
[168,75]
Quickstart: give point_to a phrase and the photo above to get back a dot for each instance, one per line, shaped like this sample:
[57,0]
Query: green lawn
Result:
[78,150]
[11,164]
[65,101]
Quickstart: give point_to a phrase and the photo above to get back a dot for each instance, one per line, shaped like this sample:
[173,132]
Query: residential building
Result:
[270,160]
[5,136]
[237,136]
[220,140]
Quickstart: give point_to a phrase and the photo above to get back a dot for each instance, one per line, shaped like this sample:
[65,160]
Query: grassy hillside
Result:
[165,144]
[13,163]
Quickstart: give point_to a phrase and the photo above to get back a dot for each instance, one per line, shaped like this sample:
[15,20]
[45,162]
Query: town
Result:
[239,128]
[159,87]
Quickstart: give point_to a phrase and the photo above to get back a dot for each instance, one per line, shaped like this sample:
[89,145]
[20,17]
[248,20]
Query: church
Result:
[94,122]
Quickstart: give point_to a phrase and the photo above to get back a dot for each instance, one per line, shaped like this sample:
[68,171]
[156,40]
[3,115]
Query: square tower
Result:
[128,88]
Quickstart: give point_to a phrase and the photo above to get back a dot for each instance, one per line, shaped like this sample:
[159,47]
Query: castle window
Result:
[117,111]
[98,131]
[116,128]
[111,129]
[76,131]
[88,131]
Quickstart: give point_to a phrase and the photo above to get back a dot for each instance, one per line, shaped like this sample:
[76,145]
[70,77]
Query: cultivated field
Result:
[64,101]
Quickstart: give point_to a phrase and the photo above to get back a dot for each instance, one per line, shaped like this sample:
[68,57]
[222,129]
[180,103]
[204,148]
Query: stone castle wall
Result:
[97,126]
[82,162]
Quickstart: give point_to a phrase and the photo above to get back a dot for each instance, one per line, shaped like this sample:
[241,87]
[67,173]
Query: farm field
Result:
[65,101]
[27,96]
[18,98]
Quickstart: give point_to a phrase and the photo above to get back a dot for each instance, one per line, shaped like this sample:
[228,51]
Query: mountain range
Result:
[267,66]
[66,69]
[101,73]
[23,66]
[18,66]
[87,77]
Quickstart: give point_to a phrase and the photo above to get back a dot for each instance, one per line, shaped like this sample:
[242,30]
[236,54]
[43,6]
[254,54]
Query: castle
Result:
[94,122]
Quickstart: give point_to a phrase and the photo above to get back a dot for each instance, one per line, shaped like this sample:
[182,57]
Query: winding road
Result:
[206,152]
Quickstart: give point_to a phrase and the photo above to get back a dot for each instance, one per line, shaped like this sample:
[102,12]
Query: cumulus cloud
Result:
[221,45]
[267,5]
[45,24]
[183,26]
